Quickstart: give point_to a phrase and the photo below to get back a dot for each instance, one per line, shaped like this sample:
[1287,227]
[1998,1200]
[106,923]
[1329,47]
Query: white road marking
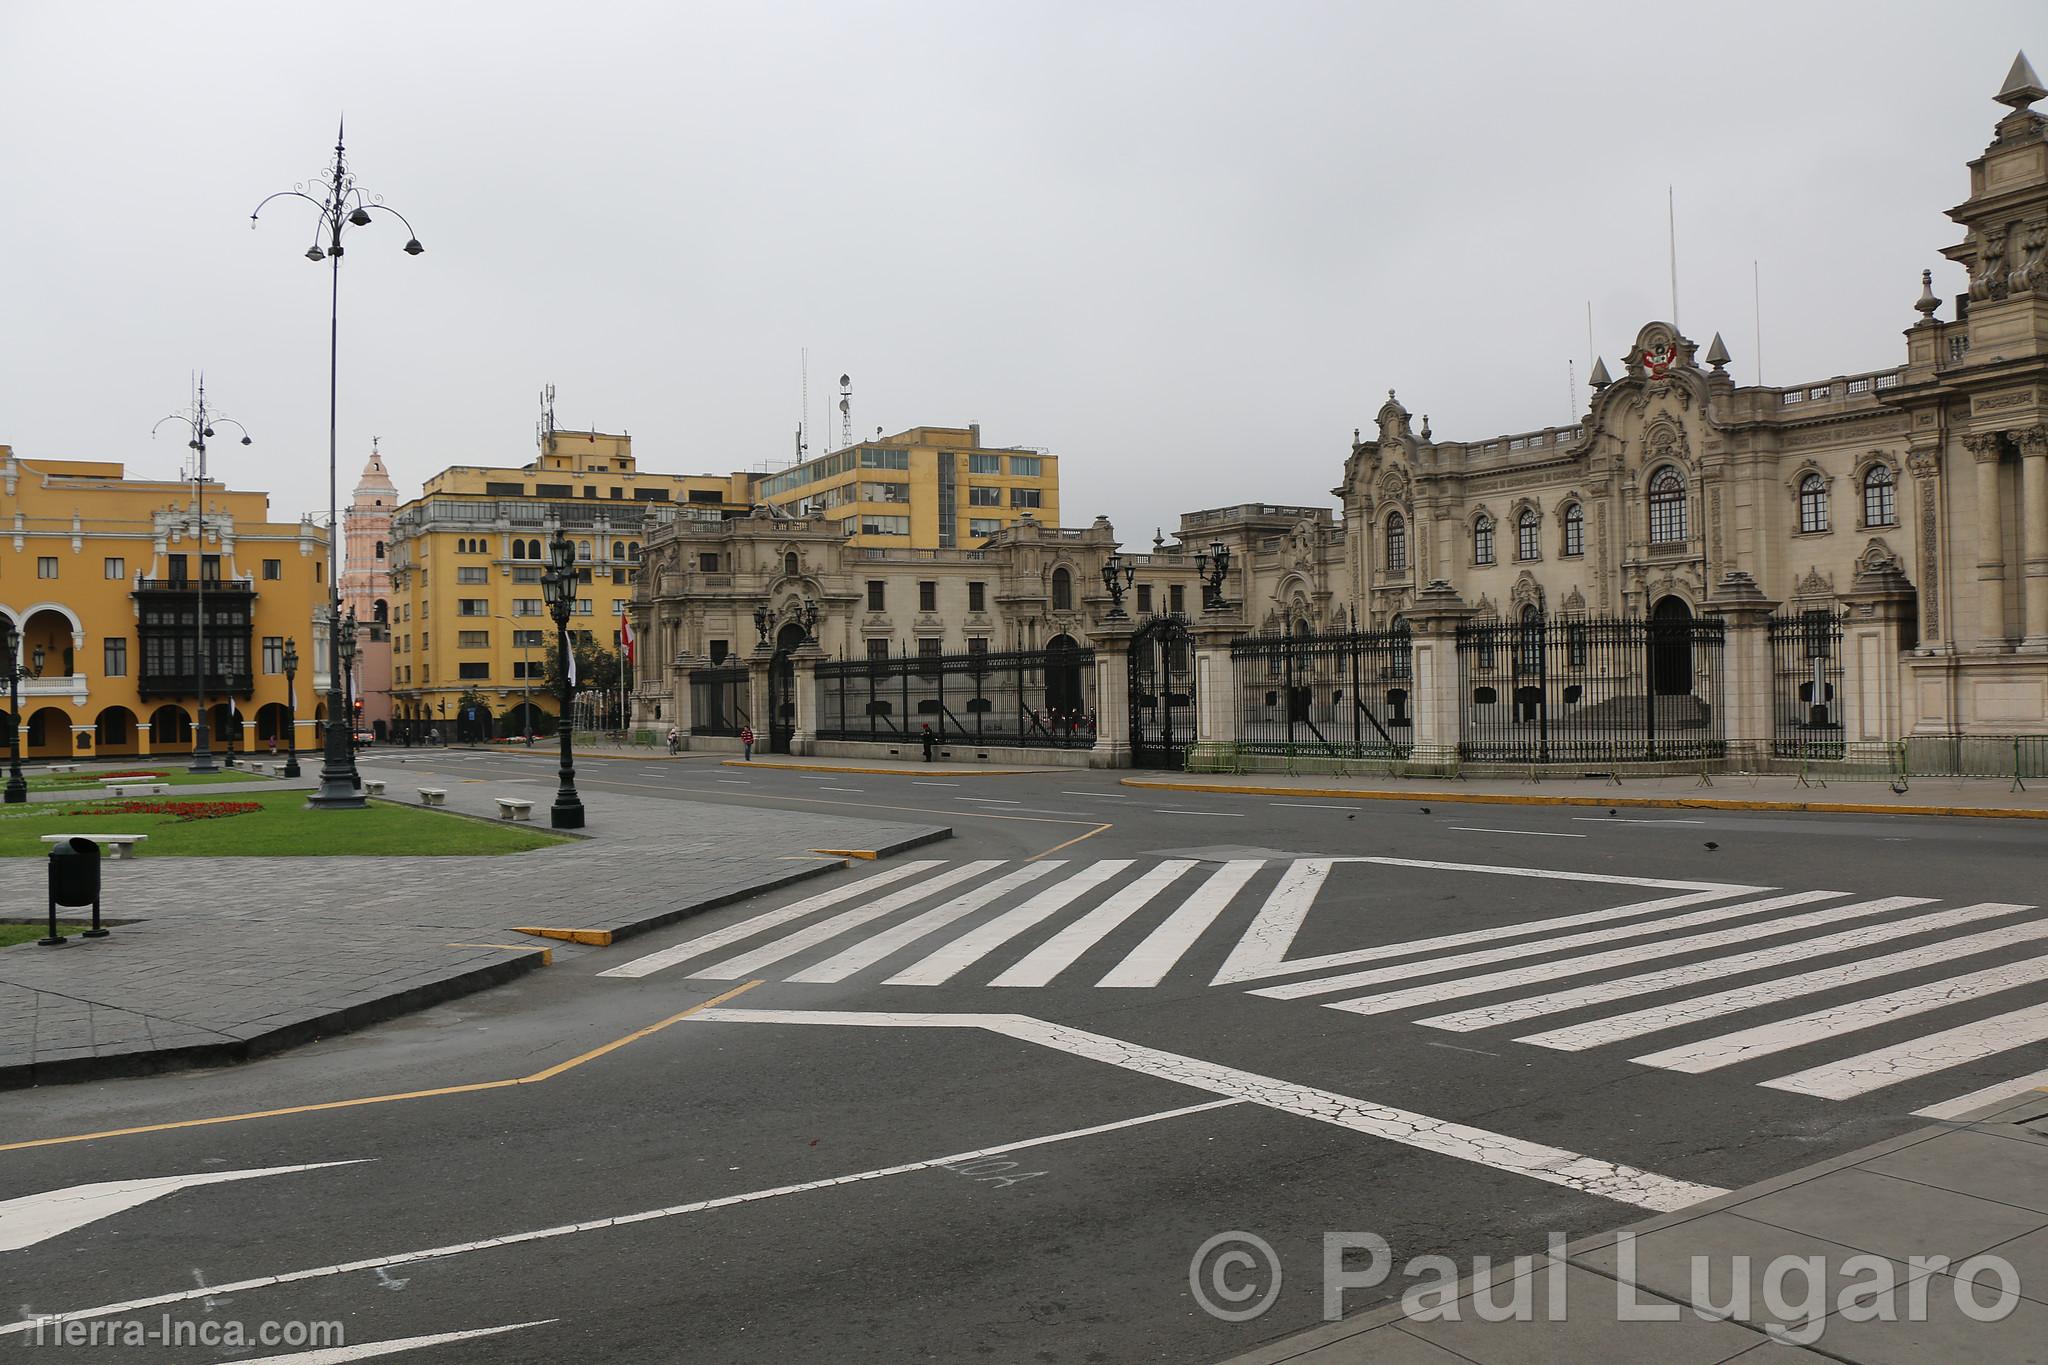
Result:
[34,1218]
[1149,962]
[1221,814]
[1764,1040]
[1554,1165]
[1307,805]
[1624,820]
[1619,957]
[735,781]
[1615,1028]
[370,1350]
[874,948]
[920,782]
[1264,950]
[751,963]
[1977,1099]
[839,789]
[991,801]
[761,923]
[1100,796]
[601,1224]
[1058,953]
[1489,829]
[1918,1057]
[1436,966]
[963,952]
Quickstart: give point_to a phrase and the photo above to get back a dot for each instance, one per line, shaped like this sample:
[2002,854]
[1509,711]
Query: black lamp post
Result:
[10,646]
[1213,568]
[291,706]
[1117,576]
[342,205]
[200,421]
[558,585]
[345,641]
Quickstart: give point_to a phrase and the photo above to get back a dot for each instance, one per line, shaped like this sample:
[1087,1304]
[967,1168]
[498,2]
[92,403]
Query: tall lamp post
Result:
[345,643]
[342,205]
[291,706]
[10,646]
[558,585]
[200,422]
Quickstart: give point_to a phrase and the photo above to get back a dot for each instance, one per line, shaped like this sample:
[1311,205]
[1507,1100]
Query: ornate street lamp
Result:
[200,422]
[10,647]
[1213,568]
[342,205]
[291,706]
[807,617]
[764,620]
[558,585]
[345,646]
[1117,577]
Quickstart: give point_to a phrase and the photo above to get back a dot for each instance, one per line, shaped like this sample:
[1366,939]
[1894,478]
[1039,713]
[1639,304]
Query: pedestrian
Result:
[747,742]
[433,734]
[675,741]
[273,744]
[931,742]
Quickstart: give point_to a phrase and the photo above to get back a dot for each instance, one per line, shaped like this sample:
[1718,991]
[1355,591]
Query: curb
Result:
[261,1042]
[1655,802]
[603,938]
[930,836]
[905,770]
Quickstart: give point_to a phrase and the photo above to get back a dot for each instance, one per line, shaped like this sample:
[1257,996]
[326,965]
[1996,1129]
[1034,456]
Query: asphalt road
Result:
[1024,1074]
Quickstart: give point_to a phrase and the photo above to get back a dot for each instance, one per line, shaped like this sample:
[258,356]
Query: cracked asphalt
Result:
[1023,1175]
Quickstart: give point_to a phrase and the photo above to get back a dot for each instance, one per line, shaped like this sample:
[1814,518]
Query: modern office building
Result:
[928,488]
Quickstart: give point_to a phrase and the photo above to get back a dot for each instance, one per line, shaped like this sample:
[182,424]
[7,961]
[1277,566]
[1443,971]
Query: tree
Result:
[596,667]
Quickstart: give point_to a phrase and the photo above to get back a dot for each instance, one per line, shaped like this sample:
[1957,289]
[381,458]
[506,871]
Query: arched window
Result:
[533,549]
[381,611]
[1062,590]
[1482,540]
[1667,507]
[518,548]
[1397,543]
[618,549]
[1880,497]
[583,549]
[1813,504]
[633,550]
[380,549]
[1528,535]
[1530,656]
[1574,530]
[789,564]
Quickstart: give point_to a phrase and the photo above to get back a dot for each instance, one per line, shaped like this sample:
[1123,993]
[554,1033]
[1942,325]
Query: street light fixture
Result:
[342,205]
[1212,568]
[345,644]
[558,585]
[199,421]
[291,706]
[10,647]
[1117,576]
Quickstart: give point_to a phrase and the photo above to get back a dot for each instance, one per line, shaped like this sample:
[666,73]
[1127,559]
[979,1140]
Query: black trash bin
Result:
[74,881]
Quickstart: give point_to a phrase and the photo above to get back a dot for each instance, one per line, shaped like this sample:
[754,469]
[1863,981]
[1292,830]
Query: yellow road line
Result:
[1069,843]
[546,1074]
[868,854]
[596,938]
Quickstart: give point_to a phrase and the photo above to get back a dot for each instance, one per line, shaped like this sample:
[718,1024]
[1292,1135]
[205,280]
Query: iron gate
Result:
[1162,687]
[1342,695]
[1806,685]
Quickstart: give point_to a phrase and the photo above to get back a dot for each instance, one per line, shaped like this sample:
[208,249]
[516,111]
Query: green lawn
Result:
[281,827]
[173,774]
[11,934]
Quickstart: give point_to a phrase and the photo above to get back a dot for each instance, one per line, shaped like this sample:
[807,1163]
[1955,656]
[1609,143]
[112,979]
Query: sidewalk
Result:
[1963,1190]
[1994,798]
[230,958]
[885,767]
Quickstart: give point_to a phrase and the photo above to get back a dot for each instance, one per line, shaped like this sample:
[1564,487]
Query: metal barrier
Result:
[718,701]
[1336,696]
[1806,685]
[1028,698]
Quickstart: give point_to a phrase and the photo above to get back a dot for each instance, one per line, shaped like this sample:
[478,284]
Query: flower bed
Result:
[185,811]
[131,772]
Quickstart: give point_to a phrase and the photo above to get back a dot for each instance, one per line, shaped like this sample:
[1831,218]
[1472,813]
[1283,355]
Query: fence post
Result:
[759,664]
[1879,602]
[682,697]
[1438,690]
[804,661]
[1747,682]
[1216,682]
[1112,641]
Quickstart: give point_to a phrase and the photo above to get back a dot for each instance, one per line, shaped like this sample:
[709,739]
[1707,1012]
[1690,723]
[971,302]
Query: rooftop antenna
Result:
[546,426]
[1756,307]
[845,411]
[1671,225]
[803,416]
[1571,389]
[1590,354]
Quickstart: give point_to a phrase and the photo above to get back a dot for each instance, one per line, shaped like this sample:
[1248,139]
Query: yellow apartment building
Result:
[928,488]
[103,577]
[467,618]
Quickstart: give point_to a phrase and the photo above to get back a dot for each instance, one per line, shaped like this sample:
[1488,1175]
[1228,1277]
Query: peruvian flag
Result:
[626,635]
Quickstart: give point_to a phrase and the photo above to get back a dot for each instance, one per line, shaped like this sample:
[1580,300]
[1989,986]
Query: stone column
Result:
[1877,605]
[759,663]
[1990,543]
[1216,685]
[680,700]
[1112,640]
[1925,466]
[1437,689]
[1746,684]
[803,739]
[2033,444]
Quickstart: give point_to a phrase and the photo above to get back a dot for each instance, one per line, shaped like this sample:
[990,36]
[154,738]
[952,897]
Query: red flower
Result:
[186,811]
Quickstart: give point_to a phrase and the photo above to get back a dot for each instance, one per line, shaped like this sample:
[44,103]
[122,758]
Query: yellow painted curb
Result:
[547,955]
[1656,802]
[904,770]
[868,853]
[596,938]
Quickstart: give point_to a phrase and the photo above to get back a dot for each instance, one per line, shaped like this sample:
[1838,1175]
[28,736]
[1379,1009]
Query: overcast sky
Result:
[1188,247]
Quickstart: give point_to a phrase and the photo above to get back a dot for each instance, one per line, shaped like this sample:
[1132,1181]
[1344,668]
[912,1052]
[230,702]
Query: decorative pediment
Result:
[1574,603]
[1394,483]
[1815,584]
[1878,557]
[1392,420]
[1527,592]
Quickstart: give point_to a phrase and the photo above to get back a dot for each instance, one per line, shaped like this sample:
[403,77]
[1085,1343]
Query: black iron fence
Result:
[718,700]
[1603,690]
[1806,685]
[1343,695]
[1032,698]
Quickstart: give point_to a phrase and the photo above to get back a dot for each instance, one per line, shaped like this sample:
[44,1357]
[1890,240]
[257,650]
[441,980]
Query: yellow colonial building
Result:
[928,488]
[103,576]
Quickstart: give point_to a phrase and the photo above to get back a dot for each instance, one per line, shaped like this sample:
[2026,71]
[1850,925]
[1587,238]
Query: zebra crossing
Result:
[1692,957]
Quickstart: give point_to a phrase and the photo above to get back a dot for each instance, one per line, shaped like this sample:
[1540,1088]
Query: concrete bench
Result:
[512,808]
[62,768]
[115,846]
[375,786]
[138,788]
[433,796]
[253,767]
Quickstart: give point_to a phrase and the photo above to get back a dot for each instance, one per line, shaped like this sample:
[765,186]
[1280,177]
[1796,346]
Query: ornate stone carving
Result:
[1989,281]
[1815,584]
[1924,464]
[1984,446]
[1930,552]
[2032,271]
[2031,440]
[1574,602]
